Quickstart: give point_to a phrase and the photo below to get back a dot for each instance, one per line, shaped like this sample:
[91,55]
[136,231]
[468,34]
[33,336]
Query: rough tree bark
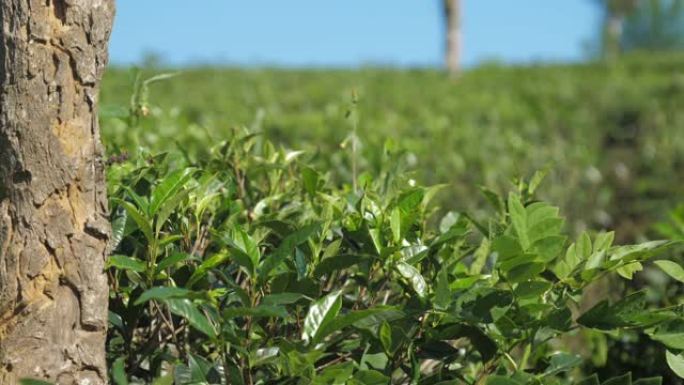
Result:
[53,207]
[452,14]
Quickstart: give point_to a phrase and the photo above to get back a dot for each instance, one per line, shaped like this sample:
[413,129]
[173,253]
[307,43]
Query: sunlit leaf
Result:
[321,312]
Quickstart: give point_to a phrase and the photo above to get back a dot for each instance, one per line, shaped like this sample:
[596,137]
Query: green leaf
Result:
[246,244]
[672,269]
[537,179]
[169,187]
[164,380]
[115,320]
[118,228]
[320,313]
[625,379]
[411,274]
[243,249]
[627,271]
[141,202]
[371,377]
[286,248]
[385,336]
[562,362]
[172,261]
[675,362]
[483,306]
[337,374]
[480,257]
[548,248]
[519,219]
[337,263]
[639,252]
[167,209]
[206,266]
[395,224]
[507,247]
[261,311]
[162,293]
[566,265]
[119,371]
[649,381]
[502,380]
[363,319]
[123,262]
[482,342]
[282,299]
[414,253]
[584,247]
[442,298]
[524,271]
[143,222]
[670,334]
[629,312]
[591,380]
[411,200]
[532,289]
[455,232]
[301,263]
[539,212]
[545,228]
[603,241]
[559,319]
[186,309]
[430,192]
[369,318]
[310,180]
[200,369]
[332,249]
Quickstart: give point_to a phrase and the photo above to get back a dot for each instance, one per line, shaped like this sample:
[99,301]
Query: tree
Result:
[656,25]
[641,25]
[615,13]
[452,15]
[53,208]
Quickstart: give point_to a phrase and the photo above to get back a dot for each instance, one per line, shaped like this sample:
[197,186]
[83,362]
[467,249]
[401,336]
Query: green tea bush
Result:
[251,266]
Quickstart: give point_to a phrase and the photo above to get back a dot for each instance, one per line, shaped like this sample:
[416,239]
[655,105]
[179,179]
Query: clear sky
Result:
[348,32]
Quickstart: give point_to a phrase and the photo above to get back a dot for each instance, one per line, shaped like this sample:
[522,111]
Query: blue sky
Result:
[348,33]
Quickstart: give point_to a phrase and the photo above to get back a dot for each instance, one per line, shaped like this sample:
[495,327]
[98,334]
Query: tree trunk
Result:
[53,206]
[452,13]
[613,40]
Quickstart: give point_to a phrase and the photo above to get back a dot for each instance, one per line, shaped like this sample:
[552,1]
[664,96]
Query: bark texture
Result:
[452,13]
[53,207]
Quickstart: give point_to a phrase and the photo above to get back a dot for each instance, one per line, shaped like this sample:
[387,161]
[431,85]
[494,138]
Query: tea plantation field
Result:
[610,135]
[514,226]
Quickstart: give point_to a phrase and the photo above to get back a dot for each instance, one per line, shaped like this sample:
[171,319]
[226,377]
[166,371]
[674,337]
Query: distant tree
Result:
[615,14]
[656,25]
[452,16]
[652,25]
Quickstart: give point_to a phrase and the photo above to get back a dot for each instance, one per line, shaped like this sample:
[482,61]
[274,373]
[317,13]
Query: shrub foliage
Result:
[249,266]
